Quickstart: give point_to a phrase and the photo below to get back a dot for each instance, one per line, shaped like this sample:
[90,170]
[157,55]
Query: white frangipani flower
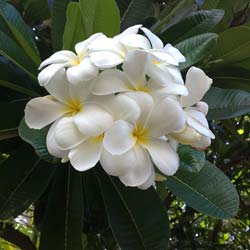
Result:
[78,66]
[129,147]
[196,132]
[72,109]
[110,52]
[133,78]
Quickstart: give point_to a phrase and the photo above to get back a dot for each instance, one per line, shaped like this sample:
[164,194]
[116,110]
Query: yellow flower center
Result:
[78,60]
[98,139]
[156,62]
[74,107]
[140,135]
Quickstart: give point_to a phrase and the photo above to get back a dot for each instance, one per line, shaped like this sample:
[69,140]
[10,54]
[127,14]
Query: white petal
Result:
[121,106]
[93,120]
[145,102]
[86,155]
[163,57]
[202,107]
[166,116]
[198,121]
[106,59]
[111,81]
[202,144]
[67,134]
[81,91]
[134,67]
[163,156]
[118,165]
[174,52]
[155,40]
[82,72]
[141,169]
[60,57]
[119,138]
[197,83]
[135,41]
[59,87]
[150,181]
[52,145]
[132,30]
[41,111]
[47,74]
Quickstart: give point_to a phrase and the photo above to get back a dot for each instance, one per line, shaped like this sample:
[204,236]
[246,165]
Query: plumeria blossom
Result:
[132,77]
[129,147]
[196,132]
[72,109]
[79,67]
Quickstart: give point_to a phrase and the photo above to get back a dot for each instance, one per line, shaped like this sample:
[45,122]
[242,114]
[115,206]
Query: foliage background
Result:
[231,124]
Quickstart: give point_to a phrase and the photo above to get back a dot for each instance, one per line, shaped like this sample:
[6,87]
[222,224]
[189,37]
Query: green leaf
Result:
[233,46]
[200,22]
[208,191]
[37,138]
[74,29]
[58,22]
[196,48]
[11,114]
[17,88]
[62,224]
[100,16]
[23,179]
[11,50]
[227,103]
[138,218]
[19,30]
[175,11]
[191,160]
[131,12]
[231,78]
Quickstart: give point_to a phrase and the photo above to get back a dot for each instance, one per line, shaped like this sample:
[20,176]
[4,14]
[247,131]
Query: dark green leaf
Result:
[227,103]
[23,179]
[200,22]
[100,16]
[131,12]
[11,114]
[191,160]
[138,218]
[233,46]
[19,30]
[37,138]
[196,48]
[74,29]
[11,50]
[58,22]
[209,191]
[62,227]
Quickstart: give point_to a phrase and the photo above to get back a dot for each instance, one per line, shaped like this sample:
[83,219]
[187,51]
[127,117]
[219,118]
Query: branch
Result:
[8,233]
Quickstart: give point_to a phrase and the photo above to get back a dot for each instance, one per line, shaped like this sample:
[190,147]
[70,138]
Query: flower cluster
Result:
[121,101]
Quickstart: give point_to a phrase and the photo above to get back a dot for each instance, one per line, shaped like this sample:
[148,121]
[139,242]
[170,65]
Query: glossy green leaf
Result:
[131,12]
[58,22]
[11,50]
[23,179]
[100,16]
[196,48]
[231,78]
[233,46]
[191,160]
[200,22]
[11,114]
[137,217]
[74,29]
[227,103]
[62,224]
[208,191]
[19,30]
[37,138]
